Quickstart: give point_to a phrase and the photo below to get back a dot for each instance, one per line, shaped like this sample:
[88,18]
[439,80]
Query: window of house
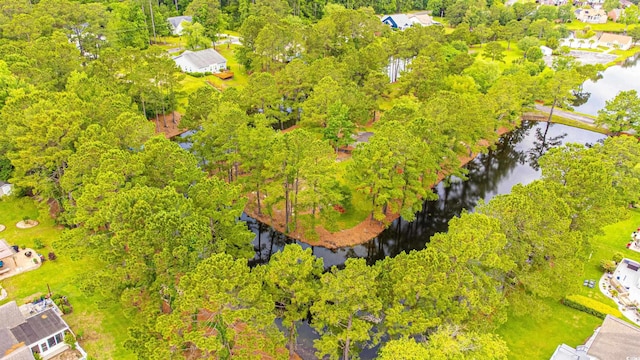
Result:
[35,349]
[44,346]
[51,341]
[59,338]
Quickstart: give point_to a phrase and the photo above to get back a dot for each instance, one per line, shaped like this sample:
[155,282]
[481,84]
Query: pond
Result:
[617,78]
[513,161]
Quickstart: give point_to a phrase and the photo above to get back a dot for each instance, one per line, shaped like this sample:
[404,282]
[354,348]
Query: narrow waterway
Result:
[513,161]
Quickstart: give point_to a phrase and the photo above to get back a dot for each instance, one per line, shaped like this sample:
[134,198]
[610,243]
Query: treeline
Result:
[442,302]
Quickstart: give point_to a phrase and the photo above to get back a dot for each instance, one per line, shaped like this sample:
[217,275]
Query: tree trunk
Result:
[286,207]
[153,23]
[553,106]
[258,195]
[292,340]
[347,343]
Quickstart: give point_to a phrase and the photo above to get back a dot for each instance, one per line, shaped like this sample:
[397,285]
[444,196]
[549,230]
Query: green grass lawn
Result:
[189,83]
[536,338]
[103,328]
[609,26]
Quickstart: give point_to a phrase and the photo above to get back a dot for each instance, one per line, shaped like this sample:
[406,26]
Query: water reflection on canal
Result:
[513,161]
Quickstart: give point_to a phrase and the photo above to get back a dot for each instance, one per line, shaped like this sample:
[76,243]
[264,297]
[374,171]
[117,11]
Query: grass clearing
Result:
[529,337]
[609,26]
[106,324]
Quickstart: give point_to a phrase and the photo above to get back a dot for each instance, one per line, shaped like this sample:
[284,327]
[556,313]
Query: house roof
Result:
[5,249]
[21,353]
[616,340]
[401,20]
[39,327]
[176,20]
[7,341]
[566,352]
[202,58]
[10,315]
[615,38]
[422,18]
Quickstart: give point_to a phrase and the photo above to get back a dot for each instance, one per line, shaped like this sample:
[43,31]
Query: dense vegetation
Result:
[74,134]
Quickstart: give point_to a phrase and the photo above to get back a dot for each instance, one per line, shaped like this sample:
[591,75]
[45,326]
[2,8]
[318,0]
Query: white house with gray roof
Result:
[202,61]
[176,23]
[22,336]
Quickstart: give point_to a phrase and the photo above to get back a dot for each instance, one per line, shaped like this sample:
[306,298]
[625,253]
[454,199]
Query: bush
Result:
[197,74]
[608,265]
[37,243]
[617,257]
[590,306]
[52,256]
[70,340]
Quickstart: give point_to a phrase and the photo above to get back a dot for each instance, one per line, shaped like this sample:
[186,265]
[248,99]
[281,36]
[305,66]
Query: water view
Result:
[513,161]
[613,80]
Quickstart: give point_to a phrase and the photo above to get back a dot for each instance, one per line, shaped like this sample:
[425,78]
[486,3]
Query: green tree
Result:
[339,127]
[494,50]
[222,311]
[527,43]
[621,113]
[292,277]
[344,298]
[127,27]
[195,35]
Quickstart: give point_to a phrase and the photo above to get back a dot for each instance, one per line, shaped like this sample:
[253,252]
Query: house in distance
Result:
[203,61]
[176,23]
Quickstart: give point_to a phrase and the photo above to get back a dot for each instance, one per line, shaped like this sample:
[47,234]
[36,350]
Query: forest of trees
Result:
[78,81]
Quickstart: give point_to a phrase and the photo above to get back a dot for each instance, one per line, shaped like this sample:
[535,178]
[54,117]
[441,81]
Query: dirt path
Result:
[359,234]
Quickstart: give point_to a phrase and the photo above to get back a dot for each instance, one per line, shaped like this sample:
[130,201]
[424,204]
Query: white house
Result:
[546,51]
[176,23]
[202,61]
[397,21]
[403,21]
[22,336]
[613,41]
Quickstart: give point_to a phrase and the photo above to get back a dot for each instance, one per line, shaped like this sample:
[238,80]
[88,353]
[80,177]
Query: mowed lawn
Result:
[101,323]
[190,84]
[531,338]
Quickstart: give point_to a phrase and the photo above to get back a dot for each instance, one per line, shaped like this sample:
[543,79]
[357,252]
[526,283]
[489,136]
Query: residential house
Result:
[176,23]
[625,3]
[546,51]
[39,333]
[615,41]
[202,61]
[397,21]
[553,2]
[615,340]
[591,16]
[614,15]
[421,18]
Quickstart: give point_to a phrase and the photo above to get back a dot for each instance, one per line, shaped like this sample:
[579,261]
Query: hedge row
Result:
[590,306]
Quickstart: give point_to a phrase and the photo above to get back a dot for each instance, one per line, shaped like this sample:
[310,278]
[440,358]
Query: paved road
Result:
[224,40]
[566,114]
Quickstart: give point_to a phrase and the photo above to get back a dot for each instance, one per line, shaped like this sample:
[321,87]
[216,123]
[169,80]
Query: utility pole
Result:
[153,23]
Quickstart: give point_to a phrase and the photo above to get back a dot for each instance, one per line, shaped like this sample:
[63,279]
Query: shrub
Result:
[70,340]
[23,246]
[52,256]
[37,243]
[617,257]
[608,265]
[590,306]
